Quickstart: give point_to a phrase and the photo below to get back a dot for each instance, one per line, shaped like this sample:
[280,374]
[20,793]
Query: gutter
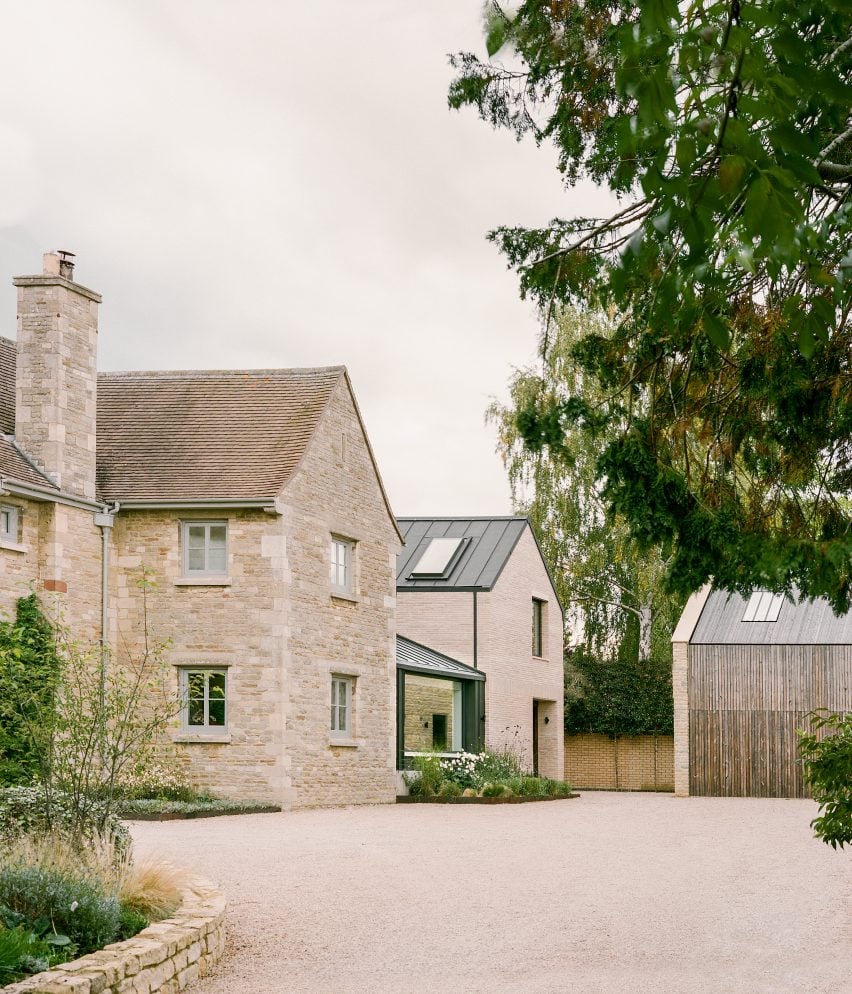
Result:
[32,491]
[271,504]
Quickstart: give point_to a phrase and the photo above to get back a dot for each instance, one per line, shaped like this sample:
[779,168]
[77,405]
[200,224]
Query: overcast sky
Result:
[262,183]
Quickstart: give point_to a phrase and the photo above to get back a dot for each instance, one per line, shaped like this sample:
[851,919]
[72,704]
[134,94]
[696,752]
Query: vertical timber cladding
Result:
[748,747]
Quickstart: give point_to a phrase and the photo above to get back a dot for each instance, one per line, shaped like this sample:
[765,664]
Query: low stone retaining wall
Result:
[161,959]
[643,762]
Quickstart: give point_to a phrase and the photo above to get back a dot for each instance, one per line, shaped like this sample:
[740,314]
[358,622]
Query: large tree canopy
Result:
[724,127]
[611,589]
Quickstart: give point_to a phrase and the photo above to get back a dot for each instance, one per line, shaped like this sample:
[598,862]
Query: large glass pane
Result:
[195,711]
[195,559]
[216,712]
[196,536]
[428,698]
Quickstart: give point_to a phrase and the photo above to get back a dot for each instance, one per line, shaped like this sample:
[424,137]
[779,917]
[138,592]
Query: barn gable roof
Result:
[800,622]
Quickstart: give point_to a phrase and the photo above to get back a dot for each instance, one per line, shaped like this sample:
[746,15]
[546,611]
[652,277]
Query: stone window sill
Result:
[342,743]
[342,595]
[13,546]
[189,738]
[203,581]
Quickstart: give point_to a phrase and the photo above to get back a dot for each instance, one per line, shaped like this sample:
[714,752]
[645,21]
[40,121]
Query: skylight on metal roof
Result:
[438,558]
[763,606]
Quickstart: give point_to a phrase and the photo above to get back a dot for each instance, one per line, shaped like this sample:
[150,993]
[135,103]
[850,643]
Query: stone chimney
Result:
[56,382]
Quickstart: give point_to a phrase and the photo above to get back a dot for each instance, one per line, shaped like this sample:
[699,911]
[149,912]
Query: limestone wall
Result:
[336,492]
[162,959]
[236,624]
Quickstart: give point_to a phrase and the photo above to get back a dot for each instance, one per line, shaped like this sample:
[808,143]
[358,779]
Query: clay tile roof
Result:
[8,353]
[14,463]
[206,435]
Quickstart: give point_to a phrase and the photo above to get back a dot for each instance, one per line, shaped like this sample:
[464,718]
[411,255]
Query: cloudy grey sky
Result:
[279,183]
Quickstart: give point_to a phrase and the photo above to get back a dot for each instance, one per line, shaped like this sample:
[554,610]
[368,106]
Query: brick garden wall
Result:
[597,762]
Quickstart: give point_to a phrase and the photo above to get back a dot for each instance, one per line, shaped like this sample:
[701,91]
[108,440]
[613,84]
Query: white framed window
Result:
[9,517]
[342,688]
[342,565]
[205,548]
[538,619]
[204,692]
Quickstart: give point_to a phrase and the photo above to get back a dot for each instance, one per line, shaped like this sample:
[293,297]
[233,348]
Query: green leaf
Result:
[731,172]
[717,331]
[496,37]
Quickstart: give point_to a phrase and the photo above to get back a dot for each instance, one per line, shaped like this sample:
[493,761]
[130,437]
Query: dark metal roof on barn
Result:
[417,658]
[806,622]
[484,547]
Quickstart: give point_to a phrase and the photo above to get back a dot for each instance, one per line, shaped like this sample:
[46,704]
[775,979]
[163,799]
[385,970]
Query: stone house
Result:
[253,500]
[480,647]
[746,673]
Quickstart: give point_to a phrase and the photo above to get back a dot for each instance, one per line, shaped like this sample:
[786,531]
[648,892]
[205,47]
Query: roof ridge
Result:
[463,517]
[200,374]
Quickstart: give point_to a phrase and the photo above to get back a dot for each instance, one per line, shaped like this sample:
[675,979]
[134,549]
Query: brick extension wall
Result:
[597,762]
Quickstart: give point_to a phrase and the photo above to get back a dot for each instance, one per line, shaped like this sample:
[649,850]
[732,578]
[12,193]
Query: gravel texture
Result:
[605,894]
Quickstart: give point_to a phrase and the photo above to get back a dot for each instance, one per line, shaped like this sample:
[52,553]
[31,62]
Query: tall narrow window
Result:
[205,701]
[537,627]
[8,524]
[341,706]
[341,565]
[205,548]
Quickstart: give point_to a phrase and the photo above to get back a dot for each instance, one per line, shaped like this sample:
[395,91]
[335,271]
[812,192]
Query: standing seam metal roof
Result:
[481,562]
[421,659]
[803,622]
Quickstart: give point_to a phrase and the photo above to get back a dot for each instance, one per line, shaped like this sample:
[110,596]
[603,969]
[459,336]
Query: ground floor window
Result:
[432,714]
[205,700]
[341,706]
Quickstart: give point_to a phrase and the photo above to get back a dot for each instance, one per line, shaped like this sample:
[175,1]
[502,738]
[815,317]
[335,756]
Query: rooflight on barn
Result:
[763,606]
[439,556]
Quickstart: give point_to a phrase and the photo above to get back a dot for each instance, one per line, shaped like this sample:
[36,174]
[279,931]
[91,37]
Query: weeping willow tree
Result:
[612,590]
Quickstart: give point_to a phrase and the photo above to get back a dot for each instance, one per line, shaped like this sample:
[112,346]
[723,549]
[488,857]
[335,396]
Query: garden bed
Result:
[504,799]
[159,810]
[167,956]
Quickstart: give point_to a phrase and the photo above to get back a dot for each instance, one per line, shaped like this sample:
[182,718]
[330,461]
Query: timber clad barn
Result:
[746,674]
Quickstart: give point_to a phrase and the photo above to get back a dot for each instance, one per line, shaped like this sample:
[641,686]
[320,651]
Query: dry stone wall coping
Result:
[162,959]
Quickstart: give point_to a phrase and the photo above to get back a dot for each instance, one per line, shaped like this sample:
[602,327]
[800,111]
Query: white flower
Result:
[74,905]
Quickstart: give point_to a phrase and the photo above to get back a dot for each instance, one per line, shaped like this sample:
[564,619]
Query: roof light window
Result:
[763,606]
[438,558]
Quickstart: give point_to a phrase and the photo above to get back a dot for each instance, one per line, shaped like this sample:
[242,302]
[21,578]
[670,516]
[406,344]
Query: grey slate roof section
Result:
[483,559]
[808,622]
[416,658]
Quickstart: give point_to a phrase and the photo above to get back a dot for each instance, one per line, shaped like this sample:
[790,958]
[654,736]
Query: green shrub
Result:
[23,953]
[27,811]
[432,775]
[827,766]
[527,786]
[558,788]
[493,790]
[450,789]
[29,675]
[158,780]
[130,923]
[73,906]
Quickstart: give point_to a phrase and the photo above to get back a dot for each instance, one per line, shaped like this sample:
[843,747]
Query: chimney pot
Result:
[66,263]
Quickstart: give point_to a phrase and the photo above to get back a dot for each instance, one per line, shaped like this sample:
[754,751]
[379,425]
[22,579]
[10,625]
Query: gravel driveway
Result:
[609,893]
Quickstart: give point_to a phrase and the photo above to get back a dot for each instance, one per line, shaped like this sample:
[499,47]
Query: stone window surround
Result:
[183,664]
[350,591]
[201,578]
[353,674]
[11,540]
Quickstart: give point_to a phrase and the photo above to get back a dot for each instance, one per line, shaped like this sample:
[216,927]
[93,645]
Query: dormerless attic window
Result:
[763,606]
[439,557]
